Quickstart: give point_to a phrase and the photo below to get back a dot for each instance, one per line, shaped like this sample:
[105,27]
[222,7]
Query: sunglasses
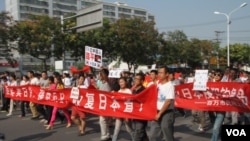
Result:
[217,74]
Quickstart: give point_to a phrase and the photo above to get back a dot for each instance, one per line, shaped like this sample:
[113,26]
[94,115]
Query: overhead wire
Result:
[240,39]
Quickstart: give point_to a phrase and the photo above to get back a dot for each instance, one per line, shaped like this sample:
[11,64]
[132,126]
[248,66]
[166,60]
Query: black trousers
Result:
[49,110]
[6,103]
[24,105]
[139,130]
[41,109]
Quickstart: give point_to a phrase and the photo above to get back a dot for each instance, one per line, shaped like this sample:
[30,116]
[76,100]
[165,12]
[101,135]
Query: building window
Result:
[56,12]
[141,17]
[122,15]
[151,18]
[69,1]
[65,7]
[120,9]
[108,7]
[87,4]
[108,13]
[140,12]
[39,3]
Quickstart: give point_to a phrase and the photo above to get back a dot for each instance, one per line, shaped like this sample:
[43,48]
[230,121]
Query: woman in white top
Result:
[77,116]
[24,81]
[66,80]
[13,82]
[118,121]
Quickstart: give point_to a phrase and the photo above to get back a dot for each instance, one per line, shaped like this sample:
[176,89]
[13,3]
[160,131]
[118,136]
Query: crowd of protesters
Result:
[161,127]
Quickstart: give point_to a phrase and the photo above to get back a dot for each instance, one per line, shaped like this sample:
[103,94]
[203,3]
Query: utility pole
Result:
[217,39]
[217,34]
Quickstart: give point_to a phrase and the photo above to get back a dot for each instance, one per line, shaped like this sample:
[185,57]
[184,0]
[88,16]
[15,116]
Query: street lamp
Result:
[228,24]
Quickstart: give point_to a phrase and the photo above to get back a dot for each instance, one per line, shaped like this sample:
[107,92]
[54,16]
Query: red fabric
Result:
[75,70]
[220,96]
[177,75]
[140,106]
[77,113]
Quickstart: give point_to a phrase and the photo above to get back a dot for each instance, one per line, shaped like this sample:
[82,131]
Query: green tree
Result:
[134,41]
[239,53]
[103,38]
[5,24]
[35,37]
[167,53]
[174,52]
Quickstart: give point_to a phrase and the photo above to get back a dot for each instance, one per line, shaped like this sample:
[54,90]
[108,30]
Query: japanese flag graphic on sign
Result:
[93,57]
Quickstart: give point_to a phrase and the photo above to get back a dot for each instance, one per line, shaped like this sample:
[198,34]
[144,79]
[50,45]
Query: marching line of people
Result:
[161,127]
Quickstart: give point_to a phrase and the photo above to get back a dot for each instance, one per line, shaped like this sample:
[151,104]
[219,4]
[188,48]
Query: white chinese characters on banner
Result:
[75,93]
[115,73]
[200,80]
[93,57]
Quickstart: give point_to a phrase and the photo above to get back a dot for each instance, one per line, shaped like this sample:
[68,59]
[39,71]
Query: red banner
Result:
[140,106]
[59,98]
[220,96]
[74,70]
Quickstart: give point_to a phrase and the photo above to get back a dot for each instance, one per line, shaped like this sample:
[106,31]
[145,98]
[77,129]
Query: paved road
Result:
[24,129]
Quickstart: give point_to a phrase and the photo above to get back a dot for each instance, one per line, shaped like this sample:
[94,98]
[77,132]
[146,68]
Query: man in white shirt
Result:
[164,119]
[44,83]
[33,81]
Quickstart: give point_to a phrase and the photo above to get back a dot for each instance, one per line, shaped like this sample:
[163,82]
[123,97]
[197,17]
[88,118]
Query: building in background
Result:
[92,16]
[21,9]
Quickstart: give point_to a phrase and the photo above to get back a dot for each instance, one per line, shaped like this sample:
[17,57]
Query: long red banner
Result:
[140,106]
[220,96]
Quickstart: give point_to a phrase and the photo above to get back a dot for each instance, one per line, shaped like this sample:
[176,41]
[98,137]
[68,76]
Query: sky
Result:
[196,18]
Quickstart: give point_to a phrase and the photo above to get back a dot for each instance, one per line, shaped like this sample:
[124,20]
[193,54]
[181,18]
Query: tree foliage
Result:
[5,24]
[135,41]
[36,36]
[239,53]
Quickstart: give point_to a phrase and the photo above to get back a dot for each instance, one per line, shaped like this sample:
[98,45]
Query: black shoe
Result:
[108,139]
[2,136]
[62,119]
[35,118]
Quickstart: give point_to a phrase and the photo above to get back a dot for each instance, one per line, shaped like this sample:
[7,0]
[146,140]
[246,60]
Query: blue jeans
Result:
[217,125]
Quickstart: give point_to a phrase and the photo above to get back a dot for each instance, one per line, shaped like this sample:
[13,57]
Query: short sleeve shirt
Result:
[34,81]
[165,91]
[105,86]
